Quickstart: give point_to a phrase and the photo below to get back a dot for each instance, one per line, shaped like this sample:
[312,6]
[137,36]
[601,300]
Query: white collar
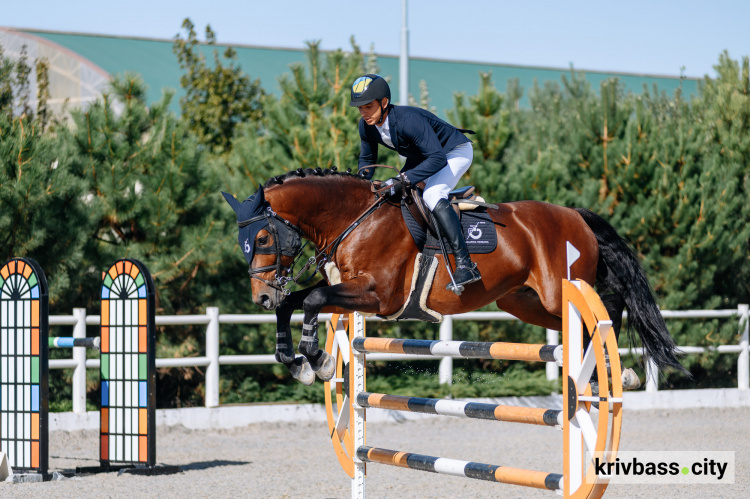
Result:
[385,122]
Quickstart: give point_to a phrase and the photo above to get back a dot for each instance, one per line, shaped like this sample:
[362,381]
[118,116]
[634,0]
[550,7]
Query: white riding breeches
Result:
[439,185]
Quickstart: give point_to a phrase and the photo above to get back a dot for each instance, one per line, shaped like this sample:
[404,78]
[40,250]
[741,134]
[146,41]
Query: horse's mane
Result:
[310,172]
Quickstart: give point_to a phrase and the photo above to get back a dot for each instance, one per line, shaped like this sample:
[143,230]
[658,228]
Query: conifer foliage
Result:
[40,199]
[217,98]
[127,178]
[671,175]
[149,193]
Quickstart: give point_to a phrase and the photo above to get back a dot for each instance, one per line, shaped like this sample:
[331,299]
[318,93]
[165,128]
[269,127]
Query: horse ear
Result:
[232,201]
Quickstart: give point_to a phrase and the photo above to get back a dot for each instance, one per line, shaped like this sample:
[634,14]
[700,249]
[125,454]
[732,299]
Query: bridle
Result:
[287,242]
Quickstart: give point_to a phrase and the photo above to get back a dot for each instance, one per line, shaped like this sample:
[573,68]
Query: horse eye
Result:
[263,240]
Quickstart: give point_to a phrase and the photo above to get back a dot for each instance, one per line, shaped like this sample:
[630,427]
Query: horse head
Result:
[269,244]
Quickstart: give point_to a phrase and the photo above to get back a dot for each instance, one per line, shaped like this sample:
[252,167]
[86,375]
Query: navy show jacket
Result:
[418,135]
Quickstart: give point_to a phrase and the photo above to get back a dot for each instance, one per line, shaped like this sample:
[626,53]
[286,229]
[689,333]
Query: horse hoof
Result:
[302,371]
[326,367]
[630,380]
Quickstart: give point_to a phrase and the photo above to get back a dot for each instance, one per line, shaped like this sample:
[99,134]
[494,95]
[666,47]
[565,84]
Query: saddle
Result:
[463,199]
[479,230]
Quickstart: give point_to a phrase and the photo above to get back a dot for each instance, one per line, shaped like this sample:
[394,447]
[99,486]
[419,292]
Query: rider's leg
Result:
[466,270]
[435,195]
[440,184]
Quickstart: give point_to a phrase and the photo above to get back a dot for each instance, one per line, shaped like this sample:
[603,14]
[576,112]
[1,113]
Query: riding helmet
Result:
[368,88]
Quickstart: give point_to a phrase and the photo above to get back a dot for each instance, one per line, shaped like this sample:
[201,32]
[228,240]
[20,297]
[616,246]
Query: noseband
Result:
[286,242]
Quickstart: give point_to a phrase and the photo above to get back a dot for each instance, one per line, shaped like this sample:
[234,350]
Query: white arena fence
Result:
[212,360]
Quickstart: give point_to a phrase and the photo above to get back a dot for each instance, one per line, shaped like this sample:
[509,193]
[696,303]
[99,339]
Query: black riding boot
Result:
[466,270]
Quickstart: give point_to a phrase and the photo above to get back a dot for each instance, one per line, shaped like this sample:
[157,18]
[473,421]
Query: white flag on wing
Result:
[573,255]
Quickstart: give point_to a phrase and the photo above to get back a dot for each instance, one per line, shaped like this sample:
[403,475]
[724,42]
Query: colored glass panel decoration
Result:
[24,329]
[127,365]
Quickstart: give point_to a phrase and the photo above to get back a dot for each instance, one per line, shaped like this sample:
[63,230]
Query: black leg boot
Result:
[466,270]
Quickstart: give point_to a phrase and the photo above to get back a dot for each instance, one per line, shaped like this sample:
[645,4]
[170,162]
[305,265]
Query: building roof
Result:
[74,81]
[156,62]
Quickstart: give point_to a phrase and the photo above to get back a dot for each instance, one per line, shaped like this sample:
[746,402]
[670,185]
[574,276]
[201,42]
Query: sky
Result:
[655,37]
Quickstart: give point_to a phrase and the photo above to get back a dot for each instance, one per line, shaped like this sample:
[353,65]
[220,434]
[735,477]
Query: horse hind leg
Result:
[526,304]
[615,304]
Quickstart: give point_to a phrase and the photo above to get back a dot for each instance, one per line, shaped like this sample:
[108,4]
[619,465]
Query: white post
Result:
[652,376]
[79,355]
[403,71]
[212,352]
[446,363]
[357,365]
[743,362]
[553,338]
[574,360]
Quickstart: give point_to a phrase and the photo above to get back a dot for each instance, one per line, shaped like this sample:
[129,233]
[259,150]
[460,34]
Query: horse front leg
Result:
[299,367]
[357,294]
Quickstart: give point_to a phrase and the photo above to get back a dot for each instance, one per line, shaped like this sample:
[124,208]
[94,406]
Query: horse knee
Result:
[314,302]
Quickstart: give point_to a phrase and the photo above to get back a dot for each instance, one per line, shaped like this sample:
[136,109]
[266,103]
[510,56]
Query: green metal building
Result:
[92,57]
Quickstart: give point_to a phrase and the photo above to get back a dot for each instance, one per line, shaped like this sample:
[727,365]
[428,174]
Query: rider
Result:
[435,151]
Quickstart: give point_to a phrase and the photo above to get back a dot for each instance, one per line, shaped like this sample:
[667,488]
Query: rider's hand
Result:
[396,185]
[366,173]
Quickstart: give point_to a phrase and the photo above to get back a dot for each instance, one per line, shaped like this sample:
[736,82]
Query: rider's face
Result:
[371,112]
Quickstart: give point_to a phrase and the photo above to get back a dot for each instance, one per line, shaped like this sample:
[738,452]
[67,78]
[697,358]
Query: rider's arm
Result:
[368,152]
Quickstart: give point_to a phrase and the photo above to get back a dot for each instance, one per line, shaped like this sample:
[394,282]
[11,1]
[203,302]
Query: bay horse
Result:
[369,259]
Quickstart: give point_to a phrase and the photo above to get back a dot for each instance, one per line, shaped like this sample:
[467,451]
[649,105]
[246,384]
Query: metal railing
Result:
[212,360]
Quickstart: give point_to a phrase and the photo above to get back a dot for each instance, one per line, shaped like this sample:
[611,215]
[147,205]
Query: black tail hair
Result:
[621,272]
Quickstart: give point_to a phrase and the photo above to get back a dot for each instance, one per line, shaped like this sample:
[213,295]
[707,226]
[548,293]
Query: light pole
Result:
[403,77]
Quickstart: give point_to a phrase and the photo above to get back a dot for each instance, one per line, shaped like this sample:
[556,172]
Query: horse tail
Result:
[620,271]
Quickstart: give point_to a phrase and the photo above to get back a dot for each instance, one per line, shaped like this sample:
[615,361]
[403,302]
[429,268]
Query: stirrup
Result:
[474,276]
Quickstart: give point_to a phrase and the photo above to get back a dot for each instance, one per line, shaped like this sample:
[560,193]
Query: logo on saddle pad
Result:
[474,231]
[480,236]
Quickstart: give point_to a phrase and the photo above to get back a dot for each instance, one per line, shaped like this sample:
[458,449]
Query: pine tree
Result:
[424,98]
[151,196]
[40,201]
[22,83]
[669,174]
[43,112]
[310,126]
[488,115]
[6,84]
[217,98]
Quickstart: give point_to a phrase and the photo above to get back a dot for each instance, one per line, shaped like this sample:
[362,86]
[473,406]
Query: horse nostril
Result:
[265,300]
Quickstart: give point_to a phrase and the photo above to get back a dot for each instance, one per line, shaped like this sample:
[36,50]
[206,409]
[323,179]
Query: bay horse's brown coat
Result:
[376,261]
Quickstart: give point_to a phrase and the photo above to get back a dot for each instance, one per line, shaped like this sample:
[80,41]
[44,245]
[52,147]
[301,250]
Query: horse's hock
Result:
[590,422]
